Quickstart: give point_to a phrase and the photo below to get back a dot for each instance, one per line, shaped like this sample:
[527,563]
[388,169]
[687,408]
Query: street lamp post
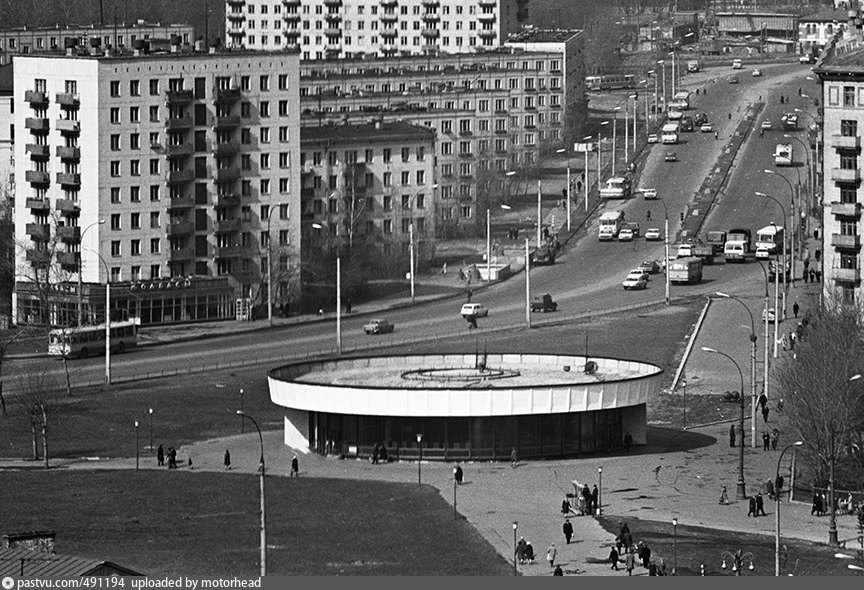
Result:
[339,301]
[777,276]
[515,550]
[752,367]
[801,209]
[527,285]
[793,247]
[80,269]
[107,315]
[665,244]
[600,154]
[777,514]
[665,102]
[263,541]
[600,491]
[150,411]
[489,241]
[741,492]
[136,445]
[815,153]
[242,421]
[766,363]
[614,136]
[270,269]
[411,233]
[420,458]
[674,546]
[737,559]
[539,211]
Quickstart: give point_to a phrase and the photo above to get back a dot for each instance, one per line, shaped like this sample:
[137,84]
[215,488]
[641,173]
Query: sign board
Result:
[584,147]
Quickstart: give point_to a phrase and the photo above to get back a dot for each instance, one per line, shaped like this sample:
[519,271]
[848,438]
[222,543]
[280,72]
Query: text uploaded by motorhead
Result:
[130,583]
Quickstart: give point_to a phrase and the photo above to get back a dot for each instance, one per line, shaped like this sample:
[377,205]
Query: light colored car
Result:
[706,128]
[474,310]
[670,157]
[378,326]
[639,272]
[652,267]
[765,125]
[771,315]
[625,235]
[762,253]
[652,138]
[653,235]
[733,79]
[675,115]
[634,283]
[650,194]
[757,73]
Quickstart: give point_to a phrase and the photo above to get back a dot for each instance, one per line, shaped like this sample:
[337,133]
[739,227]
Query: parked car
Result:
[706,128]
[653,235]
[639,271]
[650,194]
[652,267]
[670,157]
[762,253]
[543,303]
[652,138]
[625,235]
[765,125]
[378,326]
[543,256]
[634,282]
[757,73]
[474,310]
[733,79]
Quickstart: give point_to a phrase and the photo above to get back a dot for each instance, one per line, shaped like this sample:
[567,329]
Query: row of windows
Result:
[373,41]
[154,85]
[414,65]
[530,84]
[361,9]
[52,43]
[116,219]
[373,25]
[200,168]
[351,156]
[155,114]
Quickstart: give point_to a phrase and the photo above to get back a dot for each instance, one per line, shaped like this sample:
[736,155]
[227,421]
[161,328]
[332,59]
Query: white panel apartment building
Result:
[167,173]
[327,29]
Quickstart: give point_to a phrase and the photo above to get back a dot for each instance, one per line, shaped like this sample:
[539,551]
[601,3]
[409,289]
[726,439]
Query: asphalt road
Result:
[586,278]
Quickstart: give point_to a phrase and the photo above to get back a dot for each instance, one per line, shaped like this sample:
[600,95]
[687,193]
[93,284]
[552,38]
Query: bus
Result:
[83,341]
[610,224]
[769,241]
[669,133]
[610,82]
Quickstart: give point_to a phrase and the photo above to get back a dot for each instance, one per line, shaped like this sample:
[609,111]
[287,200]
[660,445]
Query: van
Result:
[737,64]
[734,251]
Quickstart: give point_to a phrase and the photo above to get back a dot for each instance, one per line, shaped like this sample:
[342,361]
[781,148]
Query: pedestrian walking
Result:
[732,435]
[815,508]
[628,441]
[160,456]
[457,474]
[565,506]
[812,275]
[630,561]
[472,322]
[760,505]
[645,555]
[775,435]
[227,460]
[795,308]
[792,338]
[595,495]
[783,342]
[558,571]
[295,467]
[520,550]
[613,559]
[724,496]
[716,135]
[765,413]
[551,554]
[763,400]
[514,458]
[444,270]
[752,505]
[348,305]
[766,440]
[568,530]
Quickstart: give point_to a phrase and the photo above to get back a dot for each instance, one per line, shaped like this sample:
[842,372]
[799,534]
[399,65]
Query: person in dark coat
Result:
[613,559]
[645,555]
[775,434]
[752,510]
[628,441]
[630,561]
[795,308]
[457,474]
[595,495]
[375,450]
[568,530]
[766,440]
[382,453]
[732,435]
[160,456]
[227,461]
[765,413]
[565,506]
[760,505]
[558,571]
[816,501]
[652,569]
[586,496]
[295,467]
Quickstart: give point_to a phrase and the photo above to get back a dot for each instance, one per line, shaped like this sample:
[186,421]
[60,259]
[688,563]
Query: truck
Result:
[737,64]
[702,251]
[693,66]
[686,123]
[543,303]
[617,187]
[669,133]
[632,226]
[737,245]
[769,241]
[717,239]
[685,270]
[789,122]
[610,225]
[783,154]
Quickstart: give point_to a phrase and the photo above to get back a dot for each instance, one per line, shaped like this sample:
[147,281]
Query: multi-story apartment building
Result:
[815,31]
[493,111]
[28,41]
[330,29]
[7,139]
[164,173]
[370,182]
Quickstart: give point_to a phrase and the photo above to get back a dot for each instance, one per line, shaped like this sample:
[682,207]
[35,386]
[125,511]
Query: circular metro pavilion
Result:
[465,406]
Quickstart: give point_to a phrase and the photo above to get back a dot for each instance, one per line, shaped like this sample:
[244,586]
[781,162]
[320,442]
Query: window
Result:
[154,87]
[406,177]
[154,114]
[264,136]
[115,167]
[115,88]
[265,186]
[115,194]
[283,84]
[135,221]
[264,109]
[265,161]
[387,226]
[154,166]
[135,194]
[465,212]
[283,134]
[115,248]
[135,248]
[848,160]
[115,221]
[154,219]
[135,167]
[284,159]
[155,246]
[245,83]
[135,114]
[134,88]
[264,83]
[406,154]
[245,109]
[115,115]
[135,141]
[421,177]
[154,193]
[154,271]
[115,142]
[849,128]
[135,274]
[387,154]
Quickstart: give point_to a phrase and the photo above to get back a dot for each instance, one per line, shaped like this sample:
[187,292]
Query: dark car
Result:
[543,303]
[543,256]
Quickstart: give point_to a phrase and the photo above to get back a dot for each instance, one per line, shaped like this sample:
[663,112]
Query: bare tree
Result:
[823,406]
[39,396]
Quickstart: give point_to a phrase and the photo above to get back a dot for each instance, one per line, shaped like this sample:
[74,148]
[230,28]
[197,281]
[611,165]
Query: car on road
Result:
[378,326]
[733,79]
[806,59]
[639,271]
[475,310]
[625,235]
[652,267]
[653,235]
[771,315]
[706,128]
[652,138]
[650,194]
[765,125]
[670,157]
[762,253]
[757,73]
[634,282]
[675,115]
[543,303]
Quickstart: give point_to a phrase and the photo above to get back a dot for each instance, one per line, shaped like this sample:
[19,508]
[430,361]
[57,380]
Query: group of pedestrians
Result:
[171,455]
[632,553]
[756,505]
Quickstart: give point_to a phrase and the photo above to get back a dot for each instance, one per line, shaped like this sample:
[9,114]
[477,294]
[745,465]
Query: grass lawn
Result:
[697,545]
[206,524]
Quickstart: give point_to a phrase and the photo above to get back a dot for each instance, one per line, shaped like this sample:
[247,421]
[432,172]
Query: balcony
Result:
[465,133]
[187,253]
[849,275]
[237,33]
[227,95]
[333,32]
[39,257]
[842,241]
[38,152]
[845,175]
[290,2]
[389,18]
[174,97]
[388,2]
[226,148]
[178,176]
[486,16]
[36,98]
[228,251]
[68,233]
[68,207]
[236,16]
[291,33]
[36,124]
[332,2]
[843,142]
[68,179]
[225,226]
[68,126]
[40,232]
[184,202]
[229,174]
[227,121]
[846,209]
[37,177]
[431,17]
[487,2]
[178,149]
[291,17]
[180,228]
[178,123]
[429,32]
[67,259]
[227,200]
[333,18]
[37,205]
[68,100]
[68,153]
[237,3]
[389,48]
[434,3]
[491,33]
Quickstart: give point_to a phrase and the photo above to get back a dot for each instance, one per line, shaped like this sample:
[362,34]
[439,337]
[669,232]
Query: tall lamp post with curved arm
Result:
[793,244]
[741,492]
[752,367]
[107,317]
[263,514]
[80,268]
[665,245]
[765,322]
[810,179]
[778,272]
[270,267]
[797,443]
[815,152]
[411,233]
